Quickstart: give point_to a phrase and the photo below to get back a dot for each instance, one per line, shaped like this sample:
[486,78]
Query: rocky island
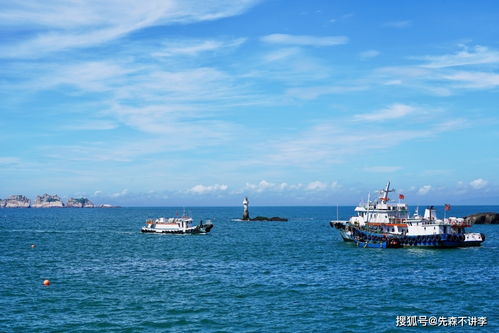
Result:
[246,216]
[49,201]
[79,203]
[483,218]
[15,201]
[264,218]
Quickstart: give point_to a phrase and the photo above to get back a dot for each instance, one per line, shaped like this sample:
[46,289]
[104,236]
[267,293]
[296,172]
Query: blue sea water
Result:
[295,276]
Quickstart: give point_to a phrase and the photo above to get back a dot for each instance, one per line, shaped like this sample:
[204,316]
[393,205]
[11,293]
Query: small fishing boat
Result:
[380,224]
[176,225]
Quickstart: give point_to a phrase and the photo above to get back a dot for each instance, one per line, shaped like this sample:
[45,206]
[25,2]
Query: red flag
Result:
[447,207]
[401,197]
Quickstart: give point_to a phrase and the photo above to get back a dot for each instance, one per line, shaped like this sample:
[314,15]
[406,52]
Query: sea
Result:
[295,276]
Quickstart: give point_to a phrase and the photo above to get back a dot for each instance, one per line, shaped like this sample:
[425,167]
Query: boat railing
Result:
[460,224]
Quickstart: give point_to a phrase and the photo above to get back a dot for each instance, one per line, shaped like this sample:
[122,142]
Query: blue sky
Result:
[287,102]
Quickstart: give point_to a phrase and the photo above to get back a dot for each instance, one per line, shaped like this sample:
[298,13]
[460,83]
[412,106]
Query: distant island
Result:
[49,201]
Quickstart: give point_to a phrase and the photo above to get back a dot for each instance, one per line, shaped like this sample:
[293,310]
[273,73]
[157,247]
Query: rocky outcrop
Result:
[79,203]
[16,201]
[483,218]
[48,201]
[264,218]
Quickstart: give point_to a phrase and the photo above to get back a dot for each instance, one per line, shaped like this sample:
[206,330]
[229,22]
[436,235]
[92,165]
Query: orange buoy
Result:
[46,283]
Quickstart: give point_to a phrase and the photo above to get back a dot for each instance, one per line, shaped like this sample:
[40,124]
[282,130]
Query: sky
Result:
[201,103]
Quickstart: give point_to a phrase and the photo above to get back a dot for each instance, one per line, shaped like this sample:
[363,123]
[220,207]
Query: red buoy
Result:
[46,283]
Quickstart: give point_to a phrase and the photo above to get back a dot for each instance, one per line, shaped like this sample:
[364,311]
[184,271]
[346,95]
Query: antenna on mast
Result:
[384,193]
[368,206]
[337,218]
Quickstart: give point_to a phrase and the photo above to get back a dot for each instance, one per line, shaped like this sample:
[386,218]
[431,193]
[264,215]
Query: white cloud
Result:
[202,189]
[368,54]
[473,80]
[62,25]
[92,76]
[289,66]
[265,186]
[316,186]
[261,186]
[477,55]
[423,190]
[192,48]
[313,92]
[394,111]
[440,76]
[304,40]
[478,183]
[281,54]
[332,142]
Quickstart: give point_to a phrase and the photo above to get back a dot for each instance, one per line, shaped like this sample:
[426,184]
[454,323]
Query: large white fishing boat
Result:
[176,225]
[383,224]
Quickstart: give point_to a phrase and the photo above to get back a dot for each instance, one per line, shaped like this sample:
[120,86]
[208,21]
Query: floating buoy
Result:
[46,283]
[33,246]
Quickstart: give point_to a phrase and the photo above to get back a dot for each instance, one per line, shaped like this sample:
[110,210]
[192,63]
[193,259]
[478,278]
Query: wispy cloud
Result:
[281,54]
[193,48]
[204,189]
[333,142]
[89,76]
[304,40]
[424,190]
[369,54]
[316,186]
[289,66]
[476,55]
[394,111]
[66,25]
[313,92]
[447,74]
[265,186]
[473,80]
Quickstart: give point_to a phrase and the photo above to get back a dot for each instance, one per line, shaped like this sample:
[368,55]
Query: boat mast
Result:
[368,206]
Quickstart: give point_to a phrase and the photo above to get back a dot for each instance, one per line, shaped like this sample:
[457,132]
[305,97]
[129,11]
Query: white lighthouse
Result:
[245,209]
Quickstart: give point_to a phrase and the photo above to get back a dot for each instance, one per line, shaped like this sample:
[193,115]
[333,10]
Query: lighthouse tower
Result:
[245,209]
